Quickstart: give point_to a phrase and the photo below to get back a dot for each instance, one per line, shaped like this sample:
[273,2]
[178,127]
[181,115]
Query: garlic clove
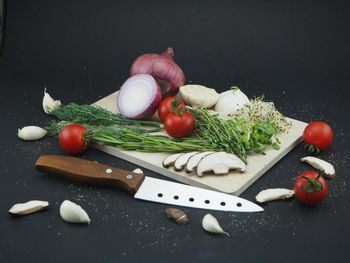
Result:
[73,213]
[319,164]
[137,171]
[49,104]
[178,215]
[31,133]
[28,207]
[211,224]
[273,194]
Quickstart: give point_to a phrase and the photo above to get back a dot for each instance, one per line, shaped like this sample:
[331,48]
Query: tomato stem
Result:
[177,108]
[312,149]
[313,184]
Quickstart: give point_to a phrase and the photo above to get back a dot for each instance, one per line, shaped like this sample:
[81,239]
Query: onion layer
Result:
[139,97]
[163,68]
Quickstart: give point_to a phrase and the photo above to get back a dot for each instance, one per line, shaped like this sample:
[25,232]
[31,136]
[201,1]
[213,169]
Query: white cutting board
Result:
[233,183]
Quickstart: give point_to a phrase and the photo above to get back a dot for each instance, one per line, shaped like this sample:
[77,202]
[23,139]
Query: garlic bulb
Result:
[211,224]
[31,133]
[28,207]
[198,96]
[73,213]
[231,100]
[49,104]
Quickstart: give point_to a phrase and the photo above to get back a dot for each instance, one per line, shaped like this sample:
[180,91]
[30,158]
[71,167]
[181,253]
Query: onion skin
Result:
[151,108]
[162,67]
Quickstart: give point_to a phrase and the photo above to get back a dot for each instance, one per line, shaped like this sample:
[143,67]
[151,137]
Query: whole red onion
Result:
[163,68]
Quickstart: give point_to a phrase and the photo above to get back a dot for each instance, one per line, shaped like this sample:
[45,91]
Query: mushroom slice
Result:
[220,163]
[170,160]
[323,166]
[194,160]
[273,194]
[182,160]
[28,207]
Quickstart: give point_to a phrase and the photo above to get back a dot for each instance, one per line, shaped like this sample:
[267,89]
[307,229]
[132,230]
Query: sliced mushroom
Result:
[181,161]
[194,160]
[323,166]
[273,194]
[28,207]
[170,160]
[220,163]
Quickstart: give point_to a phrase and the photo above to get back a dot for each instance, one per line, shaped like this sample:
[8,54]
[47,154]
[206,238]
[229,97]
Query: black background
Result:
[296,53]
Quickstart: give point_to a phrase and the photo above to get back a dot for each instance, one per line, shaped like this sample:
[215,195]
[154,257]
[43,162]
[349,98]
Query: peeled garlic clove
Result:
[319,164]
[28,207]
[49,104]
[274,194]
[137,171]
[73,213]
[211,224]
[31,133]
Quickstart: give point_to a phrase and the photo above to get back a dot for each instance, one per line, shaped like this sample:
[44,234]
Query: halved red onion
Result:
[139,97]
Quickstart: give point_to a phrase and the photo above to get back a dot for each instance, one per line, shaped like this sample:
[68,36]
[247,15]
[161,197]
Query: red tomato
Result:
[318,135]
[72,138]
[179,125]
[165,107]
[310,188]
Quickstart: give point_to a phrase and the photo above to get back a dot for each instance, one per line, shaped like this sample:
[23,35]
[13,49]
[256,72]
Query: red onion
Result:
[163,68]
[139,97]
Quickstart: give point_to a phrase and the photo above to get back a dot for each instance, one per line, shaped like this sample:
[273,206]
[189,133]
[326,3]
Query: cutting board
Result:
[233,183]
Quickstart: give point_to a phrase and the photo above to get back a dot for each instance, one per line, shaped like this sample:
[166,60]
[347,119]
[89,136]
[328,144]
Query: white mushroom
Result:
[323,166]
[273,194]
[181,161]
[220,163]
[28,207]
[170,160]
[194,160]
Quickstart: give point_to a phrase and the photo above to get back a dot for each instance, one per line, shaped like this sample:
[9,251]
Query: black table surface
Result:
[295,53]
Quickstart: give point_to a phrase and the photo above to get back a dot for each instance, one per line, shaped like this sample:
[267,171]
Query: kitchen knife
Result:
[144,187]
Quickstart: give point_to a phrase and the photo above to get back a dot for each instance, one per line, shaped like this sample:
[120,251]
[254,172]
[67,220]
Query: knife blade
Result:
[144,187]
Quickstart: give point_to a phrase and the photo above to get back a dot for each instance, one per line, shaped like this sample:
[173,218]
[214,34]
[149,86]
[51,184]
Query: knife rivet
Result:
[108,170]
[129,176]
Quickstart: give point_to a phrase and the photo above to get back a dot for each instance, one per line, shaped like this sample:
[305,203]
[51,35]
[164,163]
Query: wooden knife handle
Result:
[89,172]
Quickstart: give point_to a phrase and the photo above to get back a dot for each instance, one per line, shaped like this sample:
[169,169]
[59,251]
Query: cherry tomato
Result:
[310,188]
[179,125]
[318,136]
[165,107]
[72,138]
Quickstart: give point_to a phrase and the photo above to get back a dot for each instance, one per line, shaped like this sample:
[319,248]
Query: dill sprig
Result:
[97,116]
